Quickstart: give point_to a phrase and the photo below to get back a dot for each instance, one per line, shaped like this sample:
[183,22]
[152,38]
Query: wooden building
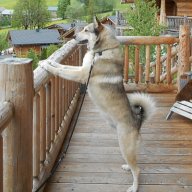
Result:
[24,40]
[172,7]
[172,13]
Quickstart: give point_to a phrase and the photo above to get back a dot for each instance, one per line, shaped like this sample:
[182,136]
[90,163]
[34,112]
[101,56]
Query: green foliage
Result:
[10,4]
[3,41]
[5,21]
[93,7]
[62,7]
[51,49]
[143,19]
[76,10]
[43,54]
[30,14]
[32,55]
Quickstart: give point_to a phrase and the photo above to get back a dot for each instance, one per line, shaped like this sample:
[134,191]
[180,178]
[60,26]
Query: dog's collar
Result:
[101,52]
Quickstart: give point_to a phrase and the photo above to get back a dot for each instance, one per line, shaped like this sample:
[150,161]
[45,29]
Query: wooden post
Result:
[147,69]
[1,163]
[163,13]
[126,64]
[137,52]
[16,86]
[184,52]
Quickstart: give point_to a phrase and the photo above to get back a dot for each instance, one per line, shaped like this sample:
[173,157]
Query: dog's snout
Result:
[74,36]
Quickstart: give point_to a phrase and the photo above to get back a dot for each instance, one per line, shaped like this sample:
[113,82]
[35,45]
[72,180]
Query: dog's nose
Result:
[74,36]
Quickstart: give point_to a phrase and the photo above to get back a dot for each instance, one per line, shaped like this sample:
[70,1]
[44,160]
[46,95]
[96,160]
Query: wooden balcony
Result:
[174,22]
[37,110]
[93,160]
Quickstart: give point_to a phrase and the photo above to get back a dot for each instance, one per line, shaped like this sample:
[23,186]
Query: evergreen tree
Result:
[3,41]
[62,7]
[43,54]
[143,20]
[51,49]
[32,55]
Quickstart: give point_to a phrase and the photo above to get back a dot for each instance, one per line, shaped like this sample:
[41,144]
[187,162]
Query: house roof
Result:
[2,9]
[52,8]
[67,26]
[30,37]
[7,12]
[113,18]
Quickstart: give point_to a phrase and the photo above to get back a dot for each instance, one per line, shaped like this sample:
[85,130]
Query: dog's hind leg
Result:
[128,147]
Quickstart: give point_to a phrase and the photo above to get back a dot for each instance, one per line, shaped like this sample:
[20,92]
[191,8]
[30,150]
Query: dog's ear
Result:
[97,24]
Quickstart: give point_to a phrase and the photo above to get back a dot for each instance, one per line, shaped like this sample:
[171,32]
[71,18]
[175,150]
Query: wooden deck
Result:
[93,161]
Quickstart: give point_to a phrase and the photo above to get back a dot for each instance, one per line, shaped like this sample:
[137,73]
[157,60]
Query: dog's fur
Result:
[107,91]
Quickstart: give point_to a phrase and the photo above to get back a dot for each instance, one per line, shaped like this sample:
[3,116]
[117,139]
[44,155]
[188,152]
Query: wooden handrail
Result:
[51,101]
[160,70]
[147,40]
[54,105]
[6,113]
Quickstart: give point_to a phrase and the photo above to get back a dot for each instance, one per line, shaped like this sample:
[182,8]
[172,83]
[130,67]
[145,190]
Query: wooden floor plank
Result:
[76,187]
[93,161]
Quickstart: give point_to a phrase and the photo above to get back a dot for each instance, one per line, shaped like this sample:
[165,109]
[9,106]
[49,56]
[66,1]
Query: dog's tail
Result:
[143,106]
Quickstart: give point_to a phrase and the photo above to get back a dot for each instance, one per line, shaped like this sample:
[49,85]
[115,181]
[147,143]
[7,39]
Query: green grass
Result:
[9,4]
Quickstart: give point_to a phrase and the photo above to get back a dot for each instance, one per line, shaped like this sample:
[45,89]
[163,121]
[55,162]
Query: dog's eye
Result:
[86,30]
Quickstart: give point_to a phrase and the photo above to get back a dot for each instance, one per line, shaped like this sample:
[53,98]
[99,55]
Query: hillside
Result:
[9,4]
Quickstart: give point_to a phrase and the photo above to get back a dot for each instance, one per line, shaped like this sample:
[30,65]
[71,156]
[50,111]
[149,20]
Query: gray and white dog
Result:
[106,90]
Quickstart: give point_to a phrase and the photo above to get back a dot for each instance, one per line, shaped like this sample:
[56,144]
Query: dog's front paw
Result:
[132,189]
[43,64]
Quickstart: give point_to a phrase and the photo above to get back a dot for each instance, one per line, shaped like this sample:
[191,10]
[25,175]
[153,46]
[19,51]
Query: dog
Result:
[106,90]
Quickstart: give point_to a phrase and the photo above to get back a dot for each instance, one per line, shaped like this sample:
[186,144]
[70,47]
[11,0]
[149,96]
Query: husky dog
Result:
[106,90]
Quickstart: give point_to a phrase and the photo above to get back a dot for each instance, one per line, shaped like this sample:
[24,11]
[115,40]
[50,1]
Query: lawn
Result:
[9,4]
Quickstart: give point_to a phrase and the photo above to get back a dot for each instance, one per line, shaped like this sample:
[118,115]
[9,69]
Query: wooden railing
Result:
[34,118]
[174,22]
[172,56]
[36,109]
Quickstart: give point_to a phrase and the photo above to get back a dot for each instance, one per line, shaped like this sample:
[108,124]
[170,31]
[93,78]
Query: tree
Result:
[3,41]
[76,10]
[62,7]
[143,19]
[30,14]
[32,55]
[51,49]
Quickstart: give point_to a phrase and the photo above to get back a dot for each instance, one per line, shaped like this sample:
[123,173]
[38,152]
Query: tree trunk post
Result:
[16,86]
[184,52]
[163,13]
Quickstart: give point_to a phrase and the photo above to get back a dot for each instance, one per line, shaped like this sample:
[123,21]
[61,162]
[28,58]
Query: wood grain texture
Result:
[93,161]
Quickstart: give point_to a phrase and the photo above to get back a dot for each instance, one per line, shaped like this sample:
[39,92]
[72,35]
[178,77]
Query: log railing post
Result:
[163,13]
[1,163]
[16,86]
[184,52]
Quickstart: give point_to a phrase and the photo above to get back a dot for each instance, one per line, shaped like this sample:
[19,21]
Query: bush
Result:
[32,55]
[51,49]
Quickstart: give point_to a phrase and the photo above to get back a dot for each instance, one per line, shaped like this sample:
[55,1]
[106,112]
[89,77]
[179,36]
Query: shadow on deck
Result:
[93,160]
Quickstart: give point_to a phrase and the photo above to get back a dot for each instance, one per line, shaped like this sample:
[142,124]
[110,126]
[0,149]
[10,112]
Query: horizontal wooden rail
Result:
[151,61]
[55,102]
[41,76]
[147,40]
[43,104]
[6,113]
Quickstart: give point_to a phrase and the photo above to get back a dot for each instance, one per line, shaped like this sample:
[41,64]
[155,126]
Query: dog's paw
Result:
[125,167]
[43,64]
[132,189]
